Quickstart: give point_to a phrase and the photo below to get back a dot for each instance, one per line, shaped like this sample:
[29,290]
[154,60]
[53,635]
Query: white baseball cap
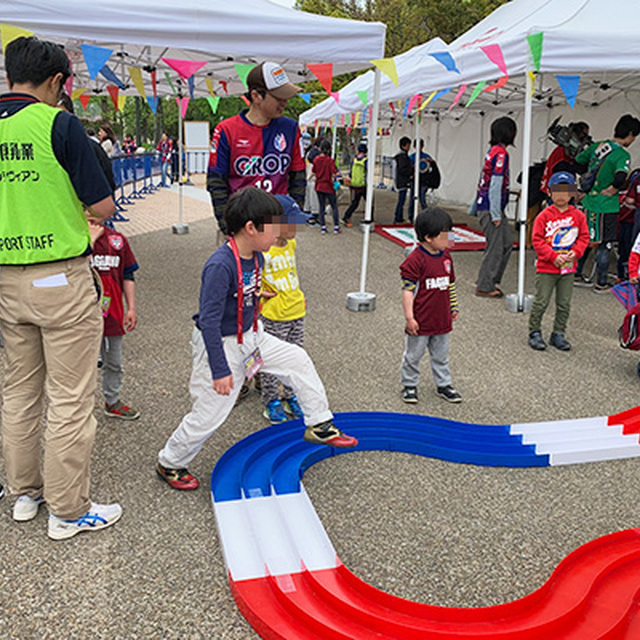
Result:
[271,77]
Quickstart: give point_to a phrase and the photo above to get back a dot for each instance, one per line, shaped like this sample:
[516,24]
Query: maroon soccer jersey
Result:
[432,275]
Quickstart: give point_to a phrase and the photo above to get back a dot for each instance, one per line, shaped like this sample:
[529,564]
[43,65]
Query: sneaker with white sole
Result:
[98,517]
[292,408]
[327,433]
[449,394]
[26,508]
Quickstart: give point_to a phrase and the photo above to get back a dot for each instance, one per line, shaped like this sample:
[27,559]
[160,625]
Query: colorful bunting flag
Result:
[192,85]
[184,68]
[364,96]
[223,84]
[154,84]
[336,96]
[388,67]
[152,101]
[243,71]
[168,79]
[95,58]
[393,109]
[446,60]
[412,102]
[356,119]
[121,102]
[569,86]
[461,90]
[213,101]
[76,93]
[306,97]
[84,100]
[209,83]
[497,85]
[477,90]
[324,73]
[182,103]
[533,82]
[108,73]
[535,46]
[113,94]
[427,101]
[441,93]
[9,33]
[494,53]
[136,77]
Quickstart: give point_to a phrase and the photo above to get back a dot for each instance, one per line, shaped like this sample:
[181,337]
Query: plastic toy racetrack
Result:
[290,585]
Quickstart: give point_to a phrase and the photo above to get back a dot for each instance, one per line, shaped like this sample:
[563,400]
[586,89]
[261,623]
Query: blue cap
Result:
[292,212]
[562,177]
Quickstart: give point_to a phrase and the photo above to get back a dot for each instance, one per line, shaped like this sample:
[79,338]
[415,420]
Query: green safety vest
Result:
[358,174]
[41,217]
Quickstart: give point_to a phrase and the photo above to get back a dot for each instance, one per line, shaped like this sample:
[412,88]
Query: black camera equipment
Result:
[566,136]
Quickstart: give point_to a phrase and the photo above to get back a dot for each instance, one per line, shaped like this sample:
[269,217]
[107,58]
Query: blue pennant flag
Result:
[446,60]
[569,86]
[442,92]
[306,97]
[192,85]
[96,58]
[153,103]
[107,72]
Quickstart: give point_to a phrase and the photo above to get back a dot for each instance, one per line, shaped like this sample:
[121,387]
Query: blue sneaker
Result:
[292,408]
[273,412]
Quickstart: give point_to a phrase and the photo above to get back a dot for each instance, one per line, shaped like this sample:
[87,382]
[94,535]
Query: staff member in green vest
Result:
[49,298]
[358,184]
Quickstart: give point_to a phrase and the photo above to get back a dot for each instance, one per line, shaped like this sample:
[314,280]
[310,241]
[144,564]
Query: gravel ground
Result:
[437,532]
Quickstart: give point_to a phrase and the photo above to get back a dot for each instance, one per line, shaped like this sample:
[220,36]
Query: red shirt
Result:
[556,232]
[325,169]
[557,156]
[432,275]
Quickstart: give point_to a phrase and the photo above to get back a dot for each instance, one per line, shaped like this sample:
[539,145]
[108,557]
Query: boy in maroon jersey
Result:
[113,259]
[430,304]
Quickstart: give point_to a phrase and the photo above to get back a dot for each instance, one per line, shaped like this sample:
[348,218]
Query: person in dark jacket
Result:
[403,178]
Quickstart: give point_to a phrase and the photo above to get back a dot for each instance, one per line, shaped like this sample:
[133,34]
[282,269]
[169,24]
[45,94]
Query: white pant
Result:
[290,363]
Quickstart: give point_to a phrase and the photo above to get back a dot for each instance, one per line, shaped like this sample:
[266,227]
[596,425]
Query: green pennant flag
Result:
[476,92]
[213,103]
[243,71]
[364,96]
[166,75]
[535,45]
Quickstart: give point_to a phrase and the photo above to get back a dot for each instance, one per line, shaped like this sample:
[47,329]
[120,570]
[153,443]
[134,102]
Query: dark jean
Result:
[402,198]
[323,199]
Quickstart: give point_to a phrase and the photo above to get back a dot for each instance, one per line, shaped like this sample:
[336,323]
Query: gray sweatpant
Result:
[496,253]
[414,349]
[112,369]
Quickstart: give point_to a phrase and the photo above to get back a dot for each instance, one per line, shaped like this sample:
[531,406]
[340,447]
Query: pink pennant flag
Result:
[461,90]
[182,105]
[494,53]
[185,68]
[370,114]
[348,129]
[336,96]
[413,101]
[342,118]
[497,85]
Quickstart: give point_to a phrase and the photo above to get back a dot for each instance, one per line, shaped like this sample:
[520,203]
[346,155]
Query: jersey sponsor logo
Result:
[116,242]
[447,266]
[441,283]
[270,164]
[104,263]
[280,142]
[563,239]
[499,161]
[243,143]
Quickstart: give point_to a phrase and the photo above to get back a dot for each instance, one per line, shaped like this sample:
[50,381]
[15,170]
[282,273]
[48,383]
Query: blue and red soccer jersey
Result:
[251,156]
[496,163]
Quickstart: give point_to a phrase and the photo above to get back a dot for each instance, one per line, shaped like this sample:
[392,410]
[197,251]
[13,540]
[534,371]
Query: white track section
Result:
[577,441]
[272,536]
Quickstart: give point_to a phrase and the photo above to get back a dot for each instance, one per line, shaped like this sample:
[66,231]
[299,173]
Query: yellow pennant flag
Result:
[76,93]
[136,76]
[388,67]
[427,101]
[121,102]
[356,119]
[8,33]
[533,82]
[209,83]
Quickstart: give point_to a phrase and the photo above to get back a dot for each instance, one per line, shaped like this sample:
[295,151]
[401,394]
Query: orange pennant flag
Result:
[113,93]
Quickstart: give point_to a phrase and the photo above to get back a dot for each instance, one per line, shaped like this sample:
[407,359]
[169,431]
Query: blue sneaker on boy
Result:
[274,412]
[292,408]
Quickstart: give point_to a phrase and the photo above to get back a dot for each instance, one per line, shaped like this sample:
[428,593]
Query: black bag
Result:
[588,179]
[432,177]
[628,333]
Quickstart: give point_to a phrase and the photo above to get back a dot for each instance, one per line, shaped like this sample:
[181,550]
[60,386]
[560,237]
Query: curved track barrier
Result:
[289,583]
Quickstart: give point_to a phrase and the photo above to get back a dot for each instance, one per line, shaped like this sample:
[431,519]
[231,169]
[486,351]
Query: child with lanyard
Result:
[229,344]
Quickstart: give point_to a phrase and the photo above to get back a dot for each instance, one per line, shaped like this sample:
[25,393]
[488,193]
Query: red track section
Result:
[594,594]
[630,419]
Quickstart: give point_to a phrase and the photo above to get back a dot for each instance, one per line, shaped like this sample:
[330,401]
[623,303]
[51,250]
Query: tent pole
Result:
[180,228]
[361,301]
[524,194]
[416,170]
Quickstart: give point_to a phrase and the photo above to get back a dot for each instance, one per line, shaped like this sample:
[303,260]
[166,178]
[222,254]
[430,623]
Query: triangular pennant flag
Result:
[121,102]
[9,33]
[477,90]
[152,101]
[440,94]
[76,93]
[209,82]
[535,46]
[245,100]
[393,109]
[306,97]
[427,101]
[353,119]
[569,86]
[533,82]
[192,85]
[84,100]
[412,102]
[336,96]
[461,90]
[406,109]
[68,85]
[370,114]
[213,101]
[113,93]
[243,71]
[107,72]
[356,118]
[136,77]
[185,68]
[364,96]
[324,73]
[95,58]
[446,60]
[494,53]
[154,84]
[168,79]
[388,67]
[223,84]
[182,103]
[348,129]
[497,85]
[342,119]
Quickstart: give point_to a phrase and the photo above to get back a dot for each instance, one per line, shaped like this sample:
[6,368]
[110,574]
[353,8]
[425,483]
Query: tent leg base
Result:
[358,301]
[518,306]
[180,229]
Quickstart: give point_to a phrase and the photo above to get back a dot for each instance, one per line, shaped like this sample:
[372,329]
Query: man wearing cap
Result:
[259,147]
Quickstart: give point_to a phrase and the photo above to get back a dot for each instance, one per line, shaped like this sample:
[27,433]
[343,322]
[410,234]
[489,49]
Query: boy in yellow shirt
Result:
[283,310]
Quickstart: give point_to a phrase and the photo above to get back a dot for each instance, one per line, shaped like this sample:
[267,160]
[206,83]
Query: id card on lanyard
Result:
[253,362]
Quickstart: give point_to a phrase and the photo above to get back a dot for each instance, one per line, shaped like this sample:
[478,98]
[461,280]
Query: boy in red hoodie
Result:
[560,236]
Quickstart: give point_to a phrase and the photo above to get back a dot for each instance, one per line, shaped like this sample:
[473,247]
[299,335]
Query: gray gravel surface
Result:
[437,532]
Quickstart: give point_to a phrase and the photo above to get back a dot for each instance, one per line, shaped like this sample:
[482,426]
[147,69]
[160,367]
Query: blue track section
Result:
[277,457]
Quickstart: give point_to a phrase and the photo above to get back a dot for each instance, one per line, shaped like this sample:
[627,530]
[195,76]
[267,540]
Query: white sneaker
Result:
[98,517]
[26,508]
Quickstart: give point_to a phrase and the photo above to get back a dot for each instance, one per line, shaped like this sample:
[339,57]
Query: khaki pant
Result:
[52,327]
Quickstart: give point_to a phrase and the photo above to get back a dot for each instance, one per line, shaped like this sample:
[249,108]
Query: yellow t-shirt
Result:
[280,275]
